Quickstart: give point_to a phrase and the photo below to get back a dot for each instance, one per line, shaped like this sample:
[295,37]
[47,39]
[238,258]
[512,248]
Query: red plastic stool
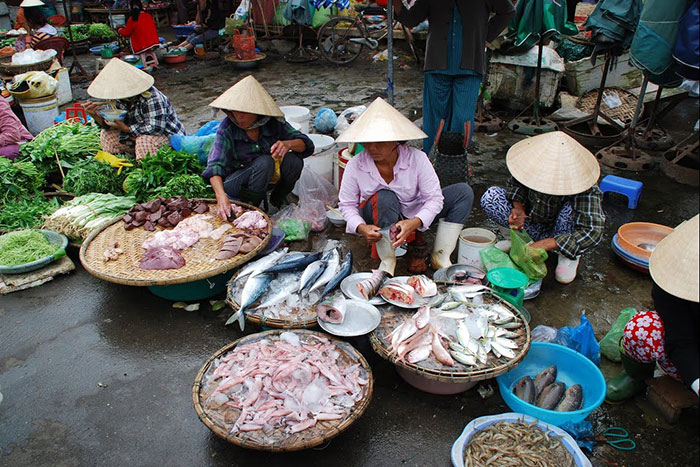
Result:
[149,58]
[77,112]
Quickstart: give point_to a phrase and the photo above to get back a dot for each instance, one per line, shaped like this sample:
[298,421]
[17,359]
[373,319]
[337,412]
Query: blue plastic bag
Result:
[208,128]
[579,431]
[198,144]
[325,120]
[581,339]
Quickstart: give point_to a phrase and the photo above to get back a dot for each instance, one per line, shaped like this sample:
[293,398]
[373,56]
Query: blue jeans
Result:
[196,39]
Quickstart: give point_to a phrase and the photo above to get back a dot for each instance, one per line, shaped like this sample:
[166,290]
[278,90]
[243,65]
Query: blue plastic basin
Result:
[572,368]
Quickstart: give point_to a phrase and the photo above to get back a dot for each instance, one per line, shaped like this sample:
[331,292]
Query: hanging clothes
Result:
[299,12]
[538,19]
[614,22]
[652,45]
[687,49]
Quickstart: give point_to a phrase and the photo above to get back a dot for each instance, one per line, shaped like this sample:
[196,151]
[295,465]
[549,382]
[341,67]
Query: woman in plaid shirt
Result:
[553,195]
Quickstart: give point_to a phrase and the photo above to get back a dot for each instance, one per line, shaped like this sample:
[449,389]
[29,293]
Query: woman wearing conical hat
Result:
[251,145]
[669,336]
[150,118]
[553,195]
[390,183]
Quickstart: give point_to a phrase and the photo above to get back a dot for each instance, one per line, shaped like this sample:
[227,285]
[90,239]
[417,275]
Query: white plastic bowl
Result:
[337,220]
[113,115]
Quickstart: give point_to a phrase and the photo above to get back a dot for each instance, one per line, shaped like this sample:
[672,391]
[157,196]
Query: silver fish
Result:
[437,300]
[343,272]
[252,290]
[525,389]
[278,296]
[294,262]
[368,288]
[551,395]
[544,378]
[262,264]
[572,400]
[332,259]
[311,273]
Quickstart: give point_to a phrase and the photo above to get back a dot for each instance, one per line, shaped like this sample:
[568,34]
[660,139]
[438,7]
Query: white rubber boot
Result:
[386,254]
[445,242]
[565,273]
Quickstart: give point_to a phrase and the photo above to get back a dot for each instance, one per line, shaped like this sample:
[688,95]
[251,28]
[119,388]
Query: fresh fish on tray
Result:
[368,288]
[423,286]
[398,292]
[332,310]
[312,272]
[343,272]
[544,378]
[332,259]
[254,287]
[294,262]
[262,264]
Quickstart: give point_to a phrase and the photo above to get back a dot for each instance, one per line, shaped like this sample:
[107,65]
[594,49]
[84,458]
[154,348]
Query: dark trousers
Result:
[257,175]
[384,209]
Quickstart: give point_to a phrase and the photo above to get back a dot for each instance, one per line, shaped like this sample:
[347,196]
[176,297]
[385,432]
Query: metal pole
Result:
[390,50]
[537,81]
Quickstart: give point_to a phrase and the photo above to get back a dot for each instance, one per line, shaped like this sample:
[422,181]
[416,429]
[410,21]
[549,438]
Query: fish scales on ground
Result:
[369,287]
[333,309]
[283,385]
[343,272]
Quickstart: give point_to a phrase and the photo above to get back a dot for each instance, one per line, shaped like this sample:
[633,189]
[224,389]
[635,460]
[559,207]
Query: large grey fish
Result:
[551,395]
[262,264]
[294,262]
[572,400]
[332,259]
[544,378]
[525,389]
[252,290]
[279,296]
[311,273]
[343,272]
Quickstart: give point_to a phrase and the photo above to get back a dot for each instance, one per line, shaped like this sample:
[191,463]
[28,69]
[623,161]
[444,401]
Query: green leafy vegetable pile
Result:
[26,213]
[100,31]
[81,215]
[18,180]
[80,32]
[157,170]
[24,247]
[189,186]
[72,142]
[93,176]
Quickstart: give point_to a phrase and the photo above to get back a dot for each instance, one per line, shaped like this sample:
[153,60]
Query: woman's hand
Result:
[121,126]
[517,217]
[90,108]
[280,148]
[370,232]
[223,206]
[546,244]
[406,228]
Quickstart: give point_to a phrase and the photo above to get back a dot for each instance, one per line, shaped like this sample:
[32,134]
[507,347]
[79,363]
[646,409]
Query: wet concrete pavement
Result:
[99,374]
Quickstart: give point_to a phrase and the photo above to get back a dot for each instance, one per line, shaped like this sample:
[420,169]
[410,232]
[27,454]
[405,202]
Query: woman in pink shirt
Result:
[12,132]
[391,183]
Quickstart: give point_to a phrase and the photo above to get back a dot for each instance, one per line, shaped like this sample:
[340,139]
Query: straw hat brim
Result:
[673,264]
[381,122]
[554,164]
[119,80]
[248,95]
[31,3]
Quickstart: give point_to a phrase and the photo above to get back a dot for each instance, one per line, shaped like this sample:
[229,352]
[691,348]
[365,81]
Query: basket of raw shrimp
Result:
[462,335]
[282,391]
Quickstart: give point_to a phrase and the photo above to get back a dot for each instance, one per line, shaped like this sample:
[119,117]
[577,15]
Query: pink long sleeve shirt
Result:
[415,183]
[11,129]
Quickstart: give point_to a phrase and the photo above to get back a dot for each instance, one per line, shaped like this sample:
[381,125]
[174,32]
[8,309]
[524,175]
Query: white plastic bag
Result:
[348,116]
[311,187]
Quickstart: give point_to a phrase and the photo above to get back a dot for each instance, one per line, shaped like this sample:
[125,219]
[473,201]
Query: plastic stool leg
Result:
[632,200]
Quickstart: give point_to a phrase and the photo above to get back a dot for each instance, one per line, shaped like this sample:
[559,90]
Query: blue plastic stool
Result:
[624,186]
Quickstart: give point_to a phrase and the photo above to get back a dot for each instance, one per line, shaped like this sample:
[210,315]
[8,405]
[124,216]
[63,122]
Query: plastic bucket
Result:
[339,162]
[321,162]
[471,242]
[298,114]
[39,113]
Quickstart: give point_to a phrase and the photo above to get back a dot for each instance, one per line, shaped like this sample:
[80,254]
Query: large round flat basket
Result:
[304,318]
[199,259]
[432,369]
[278,440]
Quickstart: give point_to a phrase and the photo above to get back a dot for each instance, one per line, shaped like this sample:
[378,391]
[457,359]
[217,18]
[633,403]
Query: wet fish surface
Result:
[544,378]
[572,400]
[551,395]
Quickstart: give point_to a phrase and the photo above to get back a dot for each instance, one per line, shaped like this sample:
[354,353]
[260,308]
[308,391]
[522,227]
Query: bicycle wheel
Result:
[335,40]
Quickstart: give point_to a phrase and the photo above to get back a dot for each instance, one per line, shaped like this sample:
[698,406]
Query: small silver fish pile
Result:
[295,280]
[516,443]
[481,329]
[547,393]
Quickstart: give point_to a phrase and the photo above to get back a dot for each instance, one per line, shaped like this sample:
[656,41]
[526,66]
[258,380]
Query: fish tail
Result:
[241,319]
[233,317]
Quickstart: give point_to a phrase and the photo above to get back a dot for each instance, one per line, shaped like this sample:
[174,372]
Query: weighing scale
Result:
[509,284]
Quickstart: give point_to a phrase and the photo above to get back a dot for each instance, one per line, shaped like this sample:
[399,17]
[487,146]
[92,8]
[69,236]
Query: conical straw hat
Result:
[30,3]
[674,262]
[381,122]
[248,95]
[554,164]
[119,80]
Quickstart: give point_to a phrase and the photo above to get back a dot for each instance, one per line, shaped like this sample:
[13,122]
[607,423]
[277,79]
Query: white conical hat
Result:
[553,163]
[674,262]
[119,80]
[30,3]
[381,122]
[248,95]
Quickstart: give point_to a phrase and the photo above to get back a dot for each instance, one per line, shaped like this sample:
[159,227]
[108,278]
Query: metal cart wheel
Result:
[340,40]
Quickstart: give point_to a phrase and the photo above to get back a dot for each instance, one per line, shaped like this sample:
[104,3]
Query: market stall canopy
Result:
[381,122]
[119,80]
[674,262]
[538,19]
[248,95]
[554,164]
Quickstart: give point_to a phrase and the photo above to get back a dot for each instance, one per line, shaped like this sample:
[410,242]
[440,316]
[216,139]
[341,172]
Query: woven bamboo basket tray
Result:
[8,68]
[432,369]
[199,259]
[284,442]
[624,112]
[305,319]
